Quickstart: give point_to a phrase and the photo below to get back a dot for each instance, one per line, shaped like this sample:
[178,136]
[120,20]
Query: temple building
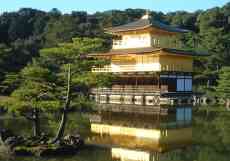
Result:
[151,67]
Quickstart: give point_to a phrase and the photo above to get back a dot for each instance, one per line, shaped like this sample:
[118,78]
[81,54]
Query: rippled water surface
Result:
[201,134]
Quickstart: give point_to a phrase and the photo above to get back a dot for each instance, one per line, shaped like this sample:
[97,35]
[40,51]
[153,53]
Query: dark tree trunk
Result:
[62,125]
[36,123]
[1,141]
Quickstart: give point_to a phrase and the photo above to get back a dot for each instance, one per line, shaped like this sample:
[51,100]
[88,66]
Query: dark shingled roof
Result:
[148,50]
[145,23]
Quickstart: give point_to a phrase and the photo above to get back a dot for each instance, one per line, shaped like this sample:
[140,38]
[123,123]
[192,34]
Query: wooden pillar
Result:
[136,82]
[133,99]
[143,100]
[153,80]
[158,84]
[125,81]
[107,98]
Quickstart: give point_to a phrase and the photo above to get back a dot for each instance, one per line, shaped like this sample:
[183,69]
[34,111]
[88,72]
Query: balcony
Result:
[138,68]
[141,89]
[130,95]
[126,68]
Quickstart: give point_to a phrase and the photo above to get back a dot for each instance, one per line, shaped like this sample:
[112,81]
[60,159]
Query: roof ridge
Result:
[143,23]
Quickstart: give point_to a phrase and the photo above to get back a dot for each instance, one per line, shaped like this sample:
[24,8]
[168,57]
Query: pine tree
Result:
[60,76]
[34,94]
[68,60]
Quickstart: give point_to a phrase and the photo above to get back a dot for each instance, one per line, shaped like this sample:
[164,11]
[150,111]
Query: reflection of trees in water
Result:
[19,126]
[211,137]
[212,132]
[49,122]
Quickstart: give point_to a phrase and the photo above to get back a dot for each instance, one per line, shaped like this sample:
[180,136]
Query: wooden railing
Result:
[105,69]
[131,89]
[125,68]
[135,68]
[121,68]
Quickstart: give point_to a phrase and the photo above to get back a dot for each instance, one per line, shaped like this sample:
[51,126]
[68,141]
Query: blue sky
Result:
[92,6]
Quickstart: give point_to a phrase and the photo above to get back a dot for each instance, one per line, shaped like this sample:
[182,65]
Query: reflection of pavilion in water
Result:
[141,137]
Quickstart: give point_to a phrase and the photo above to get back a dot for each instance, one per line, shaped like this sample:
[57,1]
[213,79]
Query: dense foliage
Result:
[57,80]
[223,88]
[25,32]
[37,47]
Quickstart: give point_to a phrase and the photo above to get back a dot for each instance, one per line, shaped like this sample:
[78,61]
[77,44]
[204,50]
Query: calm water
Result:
[183,135]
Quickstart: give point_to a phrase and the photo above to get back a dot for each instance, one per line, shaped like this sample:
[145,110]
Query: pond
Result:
[182,134]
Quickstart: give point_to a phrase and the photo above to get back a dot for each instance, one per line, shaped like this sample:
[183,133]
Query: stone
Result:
[39,146]
[73,140]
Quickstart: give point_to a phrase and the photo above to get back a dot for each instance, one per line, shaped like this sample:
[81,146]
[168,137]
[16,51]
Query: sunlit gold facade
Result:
[155,62]
[150,66]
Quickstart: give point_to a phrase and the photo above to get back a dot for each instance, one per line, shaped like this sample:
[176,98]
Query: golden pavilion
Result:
[151,67]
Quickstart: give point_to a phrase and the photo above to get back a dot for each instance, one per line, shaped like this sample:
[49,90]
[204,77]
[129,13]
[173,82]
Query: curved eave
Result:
[184,52]
[150,50]
[136,51]
[119,29]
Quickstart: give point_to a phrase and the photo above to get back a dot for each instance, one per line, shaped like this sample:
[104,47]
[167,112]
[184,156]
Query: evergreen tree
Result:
[34,94]
[71,57]
[61,76]
[223,88]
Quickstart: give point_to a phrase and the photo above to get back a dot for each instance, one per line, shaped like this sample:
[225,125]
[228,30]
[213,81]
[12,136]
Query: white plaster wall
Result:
[136,67]
[134,41]
[115,68]
[148,67]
